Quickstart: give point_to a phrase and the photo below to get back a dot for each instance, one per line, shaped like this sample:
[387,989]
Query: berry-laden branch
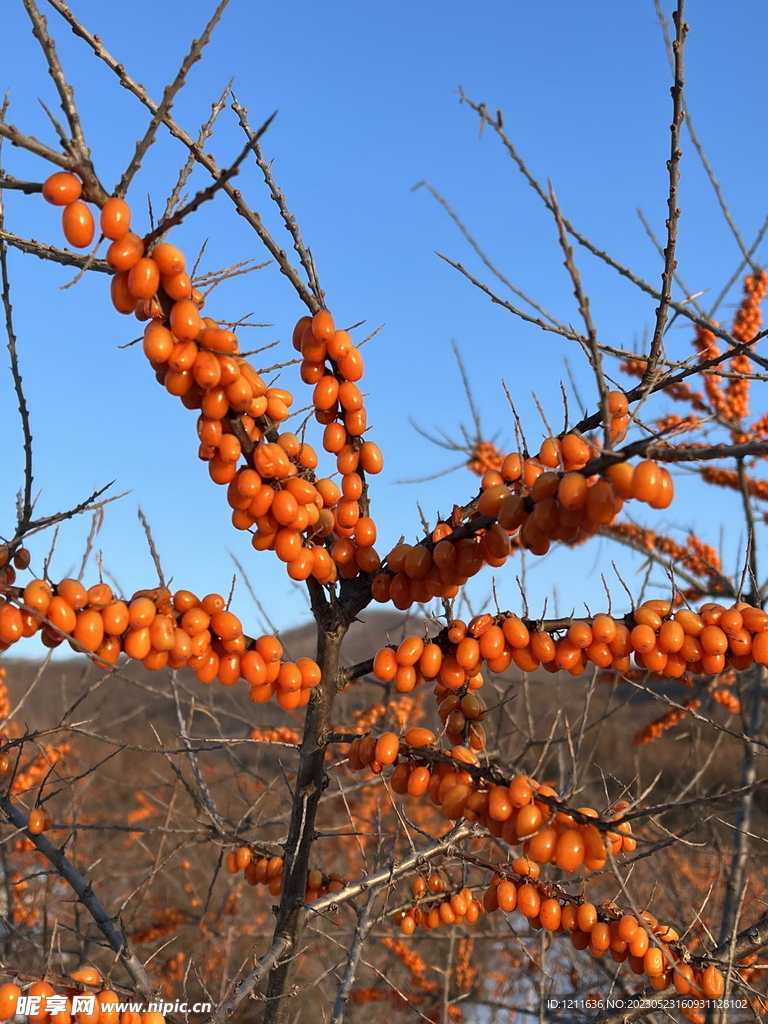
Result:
[747,942]
[568,491]
[82,889]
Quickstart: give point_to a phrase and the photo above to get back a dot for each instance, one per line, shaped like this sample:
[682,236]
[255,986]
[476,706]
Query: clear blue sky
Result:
[368,107]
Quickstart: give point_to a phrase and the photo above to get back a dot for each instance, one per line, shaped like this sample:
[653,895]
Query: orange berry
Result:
[36,821]
[169,259]
[617,403]
[323,327]
[528,900]
[115,219]
[78,226]
[185,320]
[143,278]
[569,852]
[646,480]
[506,895]
[62,188]
[712,983]
[387,748]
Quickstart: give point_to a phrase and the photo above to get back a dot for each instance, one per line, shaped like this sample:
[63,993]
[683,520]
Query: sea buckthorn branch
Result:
[309,785]
[154,627]
[205,132]
[483,256]
[591,346]
[244,988]
[496,123]
[365,923]
[289,220]
[564,332]
[25,509]
[446,845]
[748,941]
[750,577]
[43,251]
[33,145]
[16,184]
[200,156]
[651,948]
[735,880]
[206,194]
[679,561]
[76,144]
[90,504]
[169,94]
[673,212]
[691,712]
[82,889]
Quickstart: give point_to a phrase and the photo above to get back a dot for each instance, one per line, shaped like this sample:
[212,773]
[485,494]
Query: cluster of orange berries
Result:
[703,642]
[436,907]
[600,931]
[622,936]
[549,499]
[533,502]
[519,813]
[618,410]
[194,358]
[104,1008]
[159,629]
[332,363]
[269,871]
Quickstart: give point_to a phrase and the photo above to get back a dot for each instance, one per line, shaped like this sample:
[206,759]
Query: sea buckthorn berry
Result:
[714,640]
[712,983]
[499,803]
[37,595]
[575,450]
[569,852]
[550,914]
[520,791]
[169,259]
[185,320]
[643,638]
[666,492]
[542,647]
[158,341]
[515,632]
[671,636]
[506,895]
[572,491]
[62,188]
[323,327]
[528,900]
[617,403]
[73,592]
[418,737]
[622,475]
[143,278]
[351,365]
[89,629]
[580,634]
[78,226]
[387,748]
[601,504]
[512,467]
[125,252]
[490,500]
[36,821]
[646,480]
[683,978]
[586,917]
[115,219]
